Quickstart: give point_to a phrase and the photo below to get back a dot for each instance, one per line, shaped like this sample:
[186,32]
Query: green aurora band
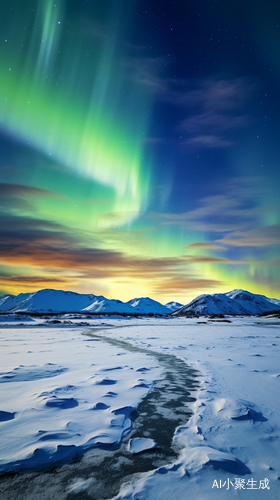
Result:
[79,100]
[51,104]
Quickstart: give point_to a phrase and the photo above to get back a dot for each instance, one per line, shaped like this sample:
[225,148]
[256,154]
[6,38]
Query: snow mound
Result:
[196,457]
[233,409]
[137,445]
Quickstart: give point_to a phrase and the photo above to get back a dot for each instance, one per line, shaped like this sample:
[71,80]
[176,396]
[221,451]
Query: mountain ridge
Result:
[235,303]
[59,301]
[48,301]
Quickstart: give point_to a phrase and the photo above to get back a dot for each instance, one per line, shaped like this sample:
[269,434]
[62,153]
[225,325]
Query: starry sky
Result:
[140,147]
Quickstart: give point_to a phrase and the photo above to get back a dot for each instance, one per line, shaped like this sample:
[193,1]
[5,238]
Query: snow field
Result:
[62,393]
[228,449]
[234,434]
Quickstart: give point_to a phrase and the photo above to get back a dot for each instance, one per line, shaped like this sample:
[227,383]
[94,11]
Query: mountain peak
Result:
[52,301]
[236,302]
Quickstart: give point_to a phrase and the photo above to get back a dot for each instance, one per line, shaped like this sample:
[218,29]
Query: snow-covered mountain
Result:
[173,306]
[234,303]
[207,304]
[8,302]
[102,305]
[147,305]
[256,304]
[58,301]
[45,301]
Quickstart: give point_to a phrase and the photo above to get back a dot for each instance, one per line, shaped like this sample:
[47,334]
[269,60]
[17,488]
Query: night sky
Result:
[140,147]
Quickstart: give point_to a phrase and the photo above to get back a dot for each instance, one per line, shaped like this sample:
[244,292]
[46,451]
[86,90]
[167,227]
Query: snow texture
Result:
[231,439]
[59,401]
[233,436]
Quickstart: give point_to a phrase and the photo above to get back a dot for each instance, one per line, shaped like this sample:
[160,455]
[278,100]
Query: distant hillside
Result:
[58,301]
[234,303]
[173,306]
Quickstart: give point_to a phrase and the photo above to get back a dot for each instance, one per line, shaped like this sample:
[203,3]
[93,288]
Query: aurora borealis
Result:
[139,147]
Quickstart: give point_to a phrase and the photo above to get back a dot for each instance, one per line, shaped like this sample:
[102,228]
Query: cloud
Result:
[34,242]
[209,110]
[200,259]
[117,254]
[56,257]
[233,223]
[213,121]
[7,189]
[218,94]
[181,285]
[16,231]
[235,208]
[214,110]
[205,246]
[208,141]
[28,280]
[18,196]
[146,71]
[258,237]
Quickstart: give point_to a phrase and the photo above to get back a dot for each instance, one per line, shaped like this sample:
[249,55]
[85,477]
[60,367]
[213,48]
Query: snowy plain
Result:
[62,390]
